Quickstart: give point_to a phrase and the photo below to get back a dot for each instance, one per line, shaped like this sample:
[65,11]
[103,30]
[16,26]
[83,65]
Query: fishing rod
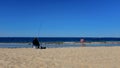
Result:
[39,30]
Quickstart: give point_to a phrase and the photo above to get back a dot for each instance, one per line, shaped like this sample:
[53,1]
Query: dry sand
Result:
[83,57]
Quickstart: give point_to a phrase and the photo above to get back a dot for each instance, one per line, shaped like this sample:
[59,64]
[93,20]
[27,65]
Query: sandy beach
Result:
[83,57]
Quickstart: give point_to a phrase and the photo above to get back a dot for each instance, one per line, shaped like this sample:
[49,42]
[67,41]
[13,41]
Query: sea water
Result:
[26,42]
[55,39]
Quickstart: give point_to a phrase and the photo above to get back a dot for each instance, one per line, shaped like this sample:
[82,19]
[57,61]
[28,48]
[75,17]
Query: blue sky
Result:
[59,18]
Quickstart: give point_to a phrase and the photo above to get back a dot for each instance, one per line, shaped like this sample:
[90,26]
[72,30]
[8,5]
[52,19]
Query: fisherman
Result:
[36,43]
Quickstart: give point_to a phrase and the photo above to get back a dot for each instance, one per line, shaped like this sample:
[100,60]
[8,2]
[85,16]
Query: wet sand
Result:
[77,57]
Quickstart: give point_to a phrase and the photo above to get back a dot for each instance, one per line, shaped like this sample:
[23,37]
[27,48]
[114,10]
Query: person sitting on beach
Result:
[36,43]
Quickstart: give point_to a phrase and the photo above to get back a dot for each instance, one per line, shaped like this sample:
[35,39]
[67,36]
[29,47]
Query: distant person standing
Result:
[82,41]
[36,43]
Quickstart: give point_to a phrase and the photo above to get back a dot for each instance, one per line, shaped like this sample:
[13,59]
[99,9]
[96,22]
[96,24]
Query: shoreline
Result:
[62,45]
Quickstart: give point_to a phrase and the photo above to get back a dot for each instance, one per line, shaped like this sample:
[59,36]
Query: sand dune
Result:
[83,57]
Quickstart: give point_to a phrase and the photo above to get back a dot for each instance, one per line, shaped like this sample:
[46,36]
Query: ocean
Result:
[26,42]
[55,39]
